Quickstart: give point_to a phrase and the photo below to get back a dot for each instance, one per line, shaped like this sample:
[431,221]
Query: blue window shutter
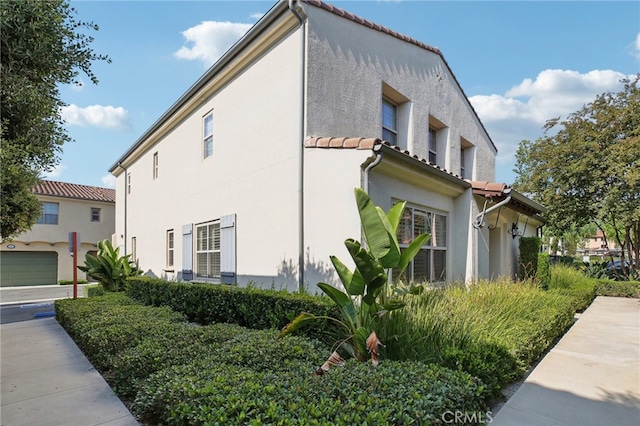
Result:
[228,249]
[187,252]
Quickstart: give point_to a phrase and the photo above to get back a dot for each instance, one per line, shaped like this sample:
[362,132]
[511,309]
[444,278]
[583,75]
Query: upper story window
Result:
[207,135]
[128,183]
[466,159]
[433,145]
[389,122]
[430,262]
[49,214]
[208,250]
[155,165]
[134,249]
[95,214]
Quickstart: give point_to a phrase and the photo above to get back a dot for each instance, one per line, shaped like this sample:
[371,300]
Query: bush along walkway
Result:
[591,377]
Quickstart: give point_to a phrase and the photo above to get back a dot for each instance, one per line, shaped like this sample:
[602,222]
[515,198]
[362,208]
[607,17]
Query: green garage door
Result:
[28,268]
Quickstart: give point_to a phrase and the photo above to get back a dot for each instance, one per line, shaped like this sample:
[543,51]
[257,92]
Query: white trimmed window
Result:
[208,250]
[389,122]
[155,165]
[431,261]
[207,144]
[170,248]
[95,214]
[128,183]
[49,214]
[134,249]
[433,145]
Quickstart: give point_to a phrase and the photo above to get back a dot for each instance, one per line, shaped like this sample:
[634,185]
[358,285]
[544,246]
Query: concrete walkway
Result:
[46,380]
[591,377]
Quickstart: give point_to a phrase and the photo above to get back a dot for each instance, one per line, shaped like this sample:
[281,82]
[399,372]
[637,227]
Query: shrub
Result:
[528,261]
[248,307]
[492,330]
[391,394]
[573,283]
[543,275]
[70,282]
[109,268]
[618,288]
[94,290]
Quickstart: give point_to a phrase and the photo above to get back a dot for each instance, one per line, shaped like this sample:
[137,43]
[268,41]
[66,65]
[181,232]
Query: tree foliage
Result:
[42,46]
[589,171]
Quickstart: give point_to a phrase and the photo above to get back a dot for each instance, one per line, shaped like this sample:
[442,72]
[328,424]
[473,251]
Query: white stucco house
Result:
[41,255]
[249,176]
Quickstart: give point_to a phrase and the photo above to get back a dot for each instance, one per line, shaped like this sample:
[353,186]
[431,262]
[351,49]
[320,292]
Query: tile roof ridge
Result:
[74,190]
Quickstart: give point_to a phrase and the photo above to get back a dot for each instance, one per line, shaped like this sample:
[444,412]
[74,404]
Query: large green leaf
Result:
[369,267]
[360,340]
[410,252]
[353,283]
[347,308]
[390,260]
[395,215]
[375,232]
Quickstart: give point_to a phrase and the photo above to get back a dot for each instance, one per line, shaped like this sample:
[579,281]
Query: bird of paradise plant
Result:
[367,297]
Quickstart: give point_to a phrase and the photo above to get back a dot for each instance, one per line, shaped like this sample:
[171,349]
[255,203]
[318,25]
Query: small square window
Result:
[95,214]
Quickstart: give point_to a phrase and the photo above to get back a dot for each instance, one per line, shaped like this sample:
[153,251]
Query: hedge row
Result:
[248,307]
[174,372]
[618,288]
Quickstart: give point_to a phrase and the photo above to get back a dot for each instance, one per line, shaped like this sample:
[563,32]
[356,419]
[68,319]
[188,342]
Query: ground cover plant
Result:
[492,330]
[572,282]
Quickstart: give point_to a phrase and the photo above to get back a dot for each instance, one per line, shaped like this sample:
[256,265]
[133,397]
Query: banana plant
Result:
[366,298]
[109,268]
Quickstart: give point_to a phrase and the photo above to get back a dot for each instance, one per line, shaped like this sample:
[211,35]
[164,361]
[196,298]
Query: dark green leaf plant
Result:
[110,268]
[368,296]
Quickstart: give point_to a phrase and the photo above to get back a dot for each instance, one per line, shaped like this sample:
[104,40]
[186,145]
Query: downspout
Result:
[126,178]
[375,162]
[478,222]
[293,4]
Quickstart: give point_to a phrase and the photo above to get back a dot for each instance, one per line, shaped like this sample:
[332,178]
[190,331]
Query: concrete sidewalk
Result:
[591,377]
[46,380]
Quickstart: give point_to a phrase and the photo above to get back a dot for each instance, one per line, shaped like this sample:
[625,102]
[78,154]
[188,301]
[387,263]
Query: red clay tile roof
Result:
[365,143]
[489,189]
[72,190]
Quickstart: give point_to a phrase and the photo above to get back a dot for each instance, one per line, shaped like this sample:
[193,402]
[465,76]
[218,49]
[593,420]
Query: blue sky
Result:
[520,63]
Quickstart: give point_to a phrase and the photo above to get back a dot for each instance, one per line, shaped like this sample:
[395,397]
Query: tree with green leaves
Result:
[589,171]
[42,46]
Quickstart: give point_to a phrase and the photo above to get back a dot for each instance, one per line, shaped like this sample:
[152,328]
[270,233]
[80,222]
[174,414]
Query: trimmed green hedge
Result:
[394,393]
[248,307]
[94,290]
[618,288]
[543,275]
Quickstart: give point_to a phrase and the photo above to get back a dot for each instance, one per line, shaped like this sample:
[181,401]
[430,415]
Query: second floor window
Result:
[208,135]
[155,165]
[433,146]
[463,171]
[128,183]
[95,214]
[49,215]
[389,122]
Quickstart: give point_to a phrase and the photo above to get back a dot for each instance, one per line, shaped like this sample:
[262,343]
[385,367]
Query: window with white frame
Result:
[128,183]
[430,263]
[134,249]
[170,247]
[466,159]
[207,143]
[208,250]
[95,214]
[433,145]
[389,122]
[155,165]
[49,214]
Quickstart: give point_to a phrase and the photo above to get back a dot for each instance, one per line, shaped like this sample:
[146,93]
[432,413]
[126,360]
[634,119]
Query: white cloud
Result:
[256,16]
[109,181]
[636,47]
[522,111]
[54,173]
[105,116]
[210,40]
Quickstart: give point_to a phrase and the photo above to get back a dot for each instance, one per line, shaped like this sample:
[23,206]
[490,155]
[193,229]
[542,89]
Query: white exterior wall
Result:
[348,64]
[252,173]
[74,215]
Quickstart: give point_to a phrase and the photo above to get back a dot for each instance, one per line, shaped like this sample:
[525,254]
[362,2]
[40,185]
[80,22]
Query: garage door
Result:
[28,268]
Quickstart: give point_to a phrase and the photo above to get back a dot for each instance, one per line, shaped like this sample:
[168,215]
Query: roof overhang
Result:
[517,201]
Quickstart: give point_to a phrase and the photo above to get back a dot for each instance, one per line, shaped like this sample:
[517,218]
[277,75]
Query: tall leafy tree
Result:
[589,171]
[42,46]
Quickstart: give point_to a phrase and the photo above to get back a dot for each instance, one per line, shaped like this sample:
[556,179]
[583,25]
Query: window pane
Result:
[208,147]
[389,136]
[404,229]
[422,223]
[214,265]
[440,231]
[202,264]
[421,266]
[439,265]
[202,238]
[208,125]
[389,115]
[215,232]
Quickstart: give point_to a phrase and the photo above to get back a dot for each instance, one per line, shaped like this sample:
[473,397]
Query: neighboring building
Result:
[598,246]
[250,174]
[41,256]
